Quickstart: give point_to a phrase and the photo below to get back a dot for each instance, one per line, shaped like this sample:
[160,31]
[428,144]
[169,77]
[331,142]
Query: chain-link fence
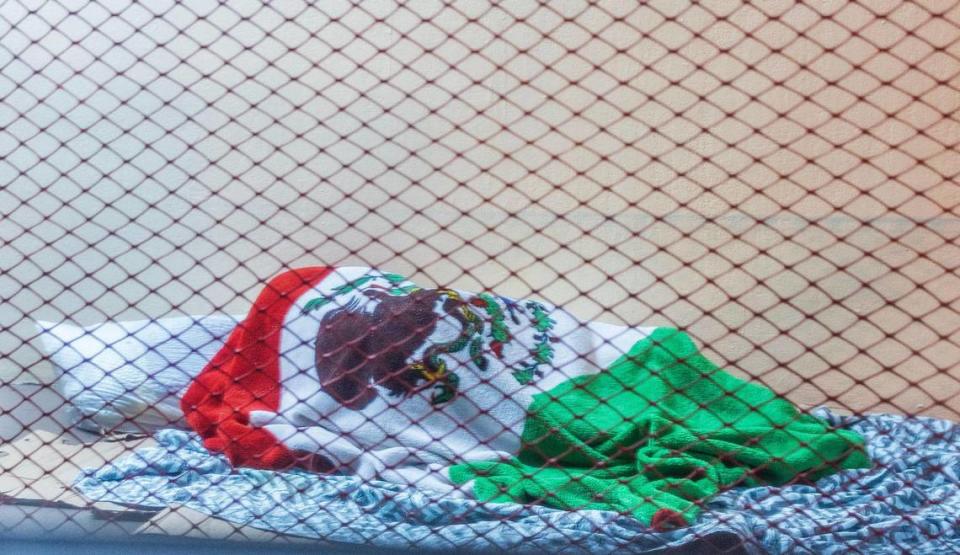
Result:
[776,179]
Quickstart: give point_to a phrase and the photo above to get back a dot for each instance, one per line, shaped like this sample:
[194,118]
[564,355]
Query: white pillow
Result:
[129,376]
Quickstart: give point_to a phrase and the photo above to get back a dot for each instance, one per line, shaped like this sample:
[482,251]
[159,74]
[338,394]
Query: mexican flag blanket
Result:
[358,371]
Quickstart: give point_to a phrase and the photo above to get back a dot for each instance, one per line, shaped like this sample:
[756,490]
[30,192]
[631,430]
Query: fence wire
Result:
[777,179]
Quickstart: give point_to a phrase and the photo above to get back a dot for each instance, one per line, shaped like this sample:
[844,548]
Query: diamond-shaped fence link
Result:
[776,179]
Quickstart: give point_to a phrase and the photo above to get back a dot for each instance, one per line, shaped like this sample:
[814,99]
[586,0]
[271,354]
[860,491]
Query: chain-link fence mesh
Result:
[778,179]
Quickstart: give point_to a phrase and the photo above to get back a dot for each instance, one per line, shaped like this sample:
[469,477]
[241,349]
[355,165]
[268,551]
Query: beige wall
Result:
[779,179]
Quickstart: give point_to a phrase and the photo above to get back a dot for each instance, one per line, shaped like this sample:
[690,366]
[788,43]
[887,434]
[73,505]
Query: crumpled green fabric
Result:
[655,435]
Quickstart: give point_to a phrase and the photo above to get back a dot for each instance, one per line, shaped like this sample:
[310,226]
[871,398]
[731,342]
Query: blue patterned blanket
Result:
[908,502]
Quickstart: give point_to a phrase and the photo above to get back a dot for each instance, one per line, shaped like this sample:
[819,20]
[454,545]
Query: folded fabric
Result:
[358,371]
[907,502]
[661,430]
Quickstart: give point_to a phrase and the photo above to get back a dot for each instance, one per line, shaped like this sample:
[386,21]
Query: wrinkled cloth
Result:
[355,370]
[909,501]
[656,434]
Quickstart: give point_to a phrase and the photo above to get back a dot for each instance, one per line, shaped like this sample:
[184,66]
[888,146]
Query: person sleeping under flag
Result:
[353,370]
